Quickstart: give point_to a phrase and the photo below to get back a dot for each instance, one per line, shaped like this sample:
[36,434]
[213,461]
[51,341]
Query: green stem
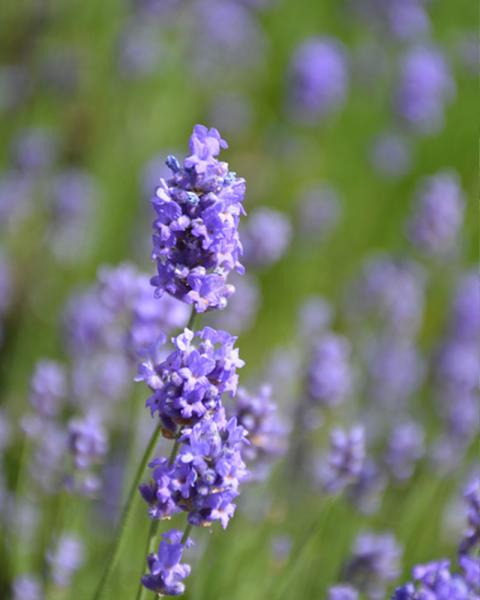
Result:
[192,319]
[117,543]
[186,533]
[151,543]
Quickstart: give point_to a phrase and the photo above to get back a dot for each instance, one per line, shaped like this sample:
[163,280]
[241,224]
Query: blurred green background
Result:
[112,125]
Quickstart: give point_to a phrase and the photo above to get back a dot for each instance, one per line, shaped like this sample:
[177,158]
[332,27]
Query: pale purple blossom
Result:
[65,558]
[266,236]
[329,377]
[438,215]
[374,564]
[27,587]
[48,388]
[345,460]
[390,155]
[166,571]
[424,89]
[318,78]
[320,211]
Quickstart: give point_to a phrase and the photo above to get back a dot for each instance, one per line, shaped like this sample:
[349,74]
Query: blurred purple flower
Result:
[342,592]
[315,316]
[231,112]
[265,236]
[266,431]
[65,559]
[73,203]
[345,459]
[242,309]
[329,378]
[391,155]
[319,211]
[436,223]
[318,78]
[34,150]
[375,562]
[406,446]
[87,441]
[395,370]
[424,89]
[465,310]
[27,587]
[48,388]
[390,292]
[140,50]
[225,34]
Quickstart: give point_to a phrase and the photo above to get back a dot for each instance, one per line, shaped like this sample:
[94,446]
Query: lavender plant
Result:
[196,246]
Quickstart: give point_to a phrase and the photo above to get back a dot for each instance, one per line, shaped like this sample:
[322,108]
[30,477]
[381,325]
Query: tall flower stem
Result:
[192,319]
[186,533]
[117,543]
[150,548]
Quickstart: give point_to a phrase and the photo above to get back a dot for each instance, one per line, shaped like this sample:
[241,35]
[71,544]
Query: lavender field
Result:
[239,300]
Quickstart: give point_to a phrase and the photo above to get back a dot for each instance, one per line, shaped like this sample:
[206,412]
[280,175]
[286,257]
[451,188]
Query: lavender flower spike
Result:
[435,226]
[195,233]
[166,571]
[189,383]
[48,388]
[345,460]
[329,373]
[375,562]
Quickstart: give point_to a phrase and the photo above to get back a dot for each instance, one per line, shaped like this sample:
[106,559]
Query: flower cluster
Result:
[435,580]
[189,383]
[203,479]
[166,571]
[195,240]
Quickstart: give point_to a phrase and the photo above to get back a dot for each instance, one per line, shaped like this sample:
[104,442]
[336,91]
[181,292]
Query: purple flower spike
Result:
[375,563]
[424,89]
[195,239]
[267,433]
[345,460]
[66,558]
[48,388]
[204,478]
[406,446]
[329,373]
[435,581]
[27,587]
[342,592]
[87,441]
[266,236]
[189,383]
[166,571]
[318,78]
[471,538]
[435,226]
[391,293]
